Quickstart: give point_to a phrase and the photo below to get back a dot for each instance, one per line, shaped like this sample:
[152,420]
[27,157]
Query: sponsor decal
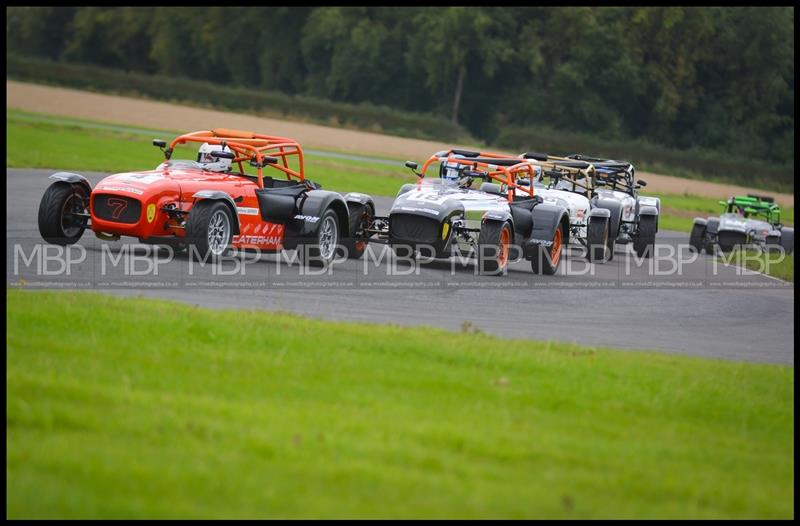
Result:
[256,240]
[310,219]
[415,209]
[543,242]
[246,211]
[137,178]
[151,212]
[120,189]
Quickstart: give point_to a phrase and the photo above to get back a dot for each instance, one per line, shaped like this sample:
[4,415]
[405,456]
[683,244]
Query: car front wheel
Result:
[697,236]
[63,213]
[209,229]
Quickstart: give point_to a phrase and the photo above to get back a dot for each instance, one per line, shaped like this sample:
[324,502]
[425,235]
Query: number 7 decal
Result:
[118,204]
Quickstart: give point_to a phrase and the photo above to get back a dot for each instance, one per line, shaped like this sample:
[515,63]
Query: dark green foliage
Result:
[712,78]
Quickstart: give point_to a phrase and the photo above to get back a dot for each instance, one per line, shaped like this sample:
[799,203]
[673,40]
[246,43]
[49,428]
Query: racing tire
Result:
[710,237]
[696,238]
[596,239]
[545,260]
[787,239]
[322,249]
[645,241]
[613,233]
[494,247]
[57,223]
[360,217]
[209,229]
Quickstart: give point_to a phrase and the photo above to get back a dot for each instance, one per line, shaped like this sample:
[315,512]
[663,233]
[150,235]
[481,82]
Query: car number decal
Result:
[431,199]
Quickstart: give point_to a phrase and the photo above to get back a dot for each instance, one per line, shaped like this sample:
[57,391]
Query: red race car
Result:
[208,206]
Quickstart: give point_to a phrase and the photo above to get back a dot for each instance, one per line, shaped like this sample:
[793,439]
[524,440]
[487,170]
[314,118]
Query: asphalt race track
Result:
[707,309]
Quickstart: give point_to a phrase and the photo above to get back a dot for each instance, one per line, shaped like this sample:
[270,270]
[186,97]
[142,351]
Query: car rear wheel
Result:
[547,259]
[321,250]
[596,238]
[63,213]
[356,242]
[494,247]
[209,229]
[644,242]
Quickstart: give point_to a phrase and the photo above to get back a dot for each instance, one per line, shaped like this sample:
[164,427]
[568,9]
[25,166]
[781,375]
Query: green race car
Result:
[745,220]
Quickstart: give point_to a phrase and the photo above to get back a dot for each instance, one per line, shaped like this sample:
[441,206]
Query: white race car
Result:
[570,183]
[634,217]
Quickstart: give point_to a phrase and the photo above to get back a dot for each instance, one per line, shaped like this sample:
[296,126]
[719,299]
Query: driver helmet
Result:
[451,171]
[538,173]
[211,163]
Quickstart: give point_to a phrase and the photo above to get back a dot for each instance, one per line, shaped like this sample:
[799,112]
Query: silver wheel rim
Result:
[218,229]
[328,238]
[69,224]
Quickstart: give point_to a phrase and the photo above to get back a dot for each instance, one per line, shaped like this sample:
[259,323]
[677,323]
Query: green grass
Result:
[142,408]
[42,144]
[773,264]
[36,141]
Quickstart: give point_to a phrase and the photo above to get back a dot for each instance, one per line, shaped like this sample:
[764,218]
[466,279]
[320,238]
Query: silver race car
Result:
[493,223]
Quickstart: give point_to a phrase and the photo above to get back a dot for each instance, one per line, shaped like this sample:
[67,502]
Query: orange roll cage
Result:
[504,174]
[247,146]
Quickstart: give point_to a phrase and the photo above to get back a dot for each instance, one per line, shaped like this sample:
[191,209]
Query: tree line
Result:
[713,78]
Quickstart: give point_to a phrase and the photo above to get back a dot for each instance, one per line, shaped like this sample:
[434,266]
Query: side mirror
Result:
[221,154]
[413,167]
[641,182]
[162,145]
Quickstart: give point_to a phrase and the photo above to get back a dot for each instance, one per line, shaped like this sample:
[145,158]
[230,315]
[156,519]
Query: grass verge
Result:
[36,141]
[143,408]
[774,264]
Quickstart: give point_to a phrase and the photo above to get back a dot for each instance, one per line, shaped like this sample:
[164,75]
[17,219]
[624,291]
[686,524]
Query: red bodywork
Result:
[165,196]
